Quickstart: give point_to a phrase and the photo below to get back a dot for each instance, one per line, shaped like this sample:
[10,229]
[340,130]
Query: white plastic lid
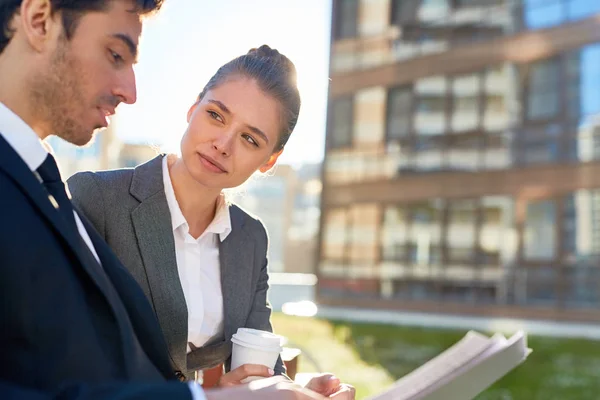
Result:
[260,340]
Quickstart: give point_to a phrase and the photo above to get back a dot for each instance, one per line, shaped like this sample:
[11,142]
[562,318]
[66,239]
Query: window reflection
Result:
[544,89]
[395,234]
[539,241]
[347,19]
[335,234]
[581,227]
[465,114]
[428,154]
[363,234]
[461,231]
[464,152]
[430,115]
[342,111]
[425,234]
[399,112]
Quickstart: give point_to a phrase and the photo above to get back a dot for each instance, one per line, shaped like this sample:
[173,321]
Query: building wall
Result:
[461,171]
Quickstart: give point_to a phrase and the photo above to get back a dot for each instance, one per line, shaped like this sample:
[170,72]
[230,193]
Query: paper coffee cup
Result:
[251,346]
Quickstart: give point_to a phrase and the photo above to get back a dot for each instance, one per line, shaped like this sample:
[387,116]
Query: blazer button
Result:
[180,376]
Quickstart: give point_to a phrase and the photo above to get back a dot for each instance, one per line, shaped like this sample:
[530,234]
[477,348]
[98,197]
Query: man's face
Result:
[88,75]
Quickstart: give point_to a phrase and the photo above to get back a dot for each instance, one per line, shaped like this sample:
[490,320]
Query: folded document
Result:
[463,371]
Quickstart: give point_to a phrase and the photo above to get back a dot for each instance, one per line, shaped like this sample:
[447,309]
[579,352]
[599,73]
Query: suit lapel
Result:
[152,224]
[15,167]
[236,254]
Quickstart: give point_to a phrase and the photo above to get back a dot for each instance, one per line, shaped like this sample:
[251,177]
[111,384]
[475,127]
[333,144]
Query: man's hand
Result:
[330,386]
[236,376]
[275,388]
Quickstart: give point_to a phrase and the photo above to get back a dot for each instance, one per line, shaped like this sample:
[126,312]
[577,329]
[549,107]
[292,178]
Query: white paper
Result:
[463,371]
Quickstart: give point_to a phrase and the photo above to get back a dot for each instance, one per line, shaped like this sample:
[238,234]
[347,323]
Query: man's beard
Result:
[57,97]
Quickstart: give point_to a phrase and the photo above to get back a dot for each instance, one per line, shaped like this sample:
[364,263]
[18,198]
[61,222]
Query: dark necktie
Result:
[51,180]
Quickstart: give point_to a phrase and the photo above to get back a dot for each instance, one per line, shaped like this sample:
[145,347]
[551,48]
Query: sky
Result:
[185,44]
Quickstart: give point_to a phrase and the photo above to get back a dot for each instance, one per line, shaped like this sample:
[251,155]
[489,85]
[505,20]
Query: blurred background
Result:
[444,175]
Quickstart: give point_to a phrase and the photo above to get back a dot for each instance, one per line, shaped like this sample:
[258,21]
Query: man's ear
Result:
[37,23]
[271,162]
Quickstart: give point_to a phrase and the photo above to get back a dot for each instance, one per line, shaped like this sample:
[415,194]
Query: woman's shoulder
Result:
[104,180]
[246,219]
[111,181]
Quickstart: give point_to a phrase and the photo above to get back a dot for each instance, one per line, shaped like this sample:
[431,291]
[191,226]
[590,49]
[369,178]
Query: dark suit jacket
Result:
[69,327]
[129,209]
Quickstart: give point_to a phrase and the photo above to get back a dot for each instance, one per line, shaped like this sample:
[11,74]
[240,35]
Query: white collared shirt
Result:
[33,151]
[199,267]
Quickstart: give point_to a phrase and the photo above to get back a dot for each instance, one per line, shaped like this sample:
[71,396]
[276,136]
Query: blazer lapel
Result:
[236,254]
[141,315]
[152,224]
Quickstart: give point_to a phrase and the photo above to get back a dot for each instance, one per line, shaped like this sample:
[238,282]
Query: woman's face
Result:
[232,132]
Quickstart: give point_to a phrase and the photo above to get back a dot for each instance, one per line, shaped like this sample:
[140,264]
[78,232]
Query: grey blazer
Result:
[129,209]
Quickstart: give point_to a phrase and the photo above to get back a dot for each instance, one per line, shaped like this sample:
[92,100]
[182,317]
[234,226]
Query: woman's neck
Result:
[198,203]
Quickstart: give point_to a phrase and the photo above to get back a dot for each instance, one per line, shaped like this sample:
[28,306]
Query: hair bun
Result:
[264,51]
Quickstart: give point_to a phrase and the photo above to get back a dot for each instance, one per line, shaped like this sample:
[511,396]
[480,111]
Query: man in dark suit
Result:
[73,323]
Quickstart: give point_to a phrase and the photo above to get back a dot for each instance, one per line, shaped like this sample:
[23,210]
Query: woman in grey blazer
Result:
[235,128]
[202,261]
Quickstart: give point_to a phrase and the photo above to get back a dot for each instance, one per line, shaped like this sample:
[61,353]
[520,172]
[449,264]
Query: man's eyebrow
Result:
[226,110]
[128,42]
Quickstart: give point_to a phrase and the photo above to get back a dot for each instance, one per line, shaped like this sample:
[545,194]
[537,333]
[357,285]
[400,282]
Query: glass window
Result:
[582,283]
[541,144]
[430,113]
[497,238]
[464,153]
[539,241]
[465,92]
[434,9]
[544,89]
[363,233]
[542,285]
[399,112]
[498,151]
[460,237]
[425,233]
[346,19]
[585,144]
[499,89]
[404,11]
[428,154]
[335,234]
[581,228]
[540,151]
[395,233]
[342,115]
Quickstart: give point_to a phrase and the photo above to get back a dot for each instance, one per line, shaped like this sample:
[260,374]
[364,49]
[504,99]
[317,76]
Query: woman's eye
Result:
[214,115]
[250,140]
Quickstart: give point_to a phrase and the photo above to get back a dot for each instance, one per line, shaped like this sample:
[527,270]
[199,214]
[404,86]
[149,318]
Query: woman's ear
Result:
[191,111]
[271,162]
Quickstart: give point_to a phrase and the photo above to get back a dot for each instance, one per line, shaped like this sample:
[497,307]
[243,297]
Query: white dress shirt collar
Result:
[221,223]
[22,138]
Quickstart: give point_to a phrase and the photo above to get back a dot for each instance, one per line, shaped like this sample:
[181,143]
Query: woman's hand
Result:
[236,376]
[329,386]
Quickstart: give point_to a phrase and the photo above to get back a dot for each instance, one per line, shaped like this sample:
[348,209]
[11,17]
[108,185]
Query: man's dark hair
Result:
[71,10]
